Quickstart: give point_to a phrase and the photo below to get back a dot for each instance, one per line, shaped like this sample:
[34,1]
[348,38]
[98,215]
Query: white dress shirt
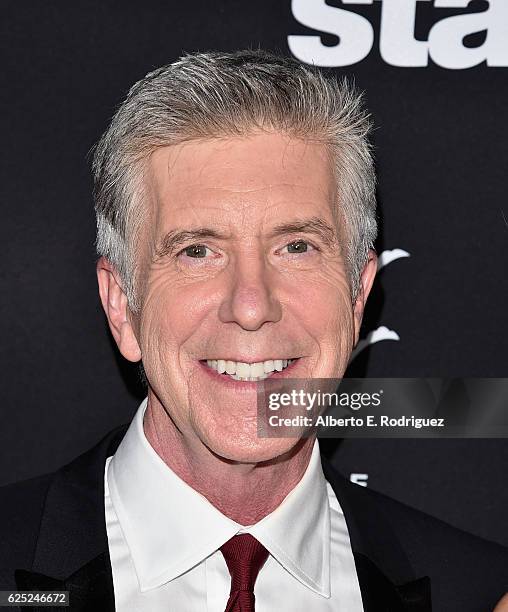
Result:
[164,539]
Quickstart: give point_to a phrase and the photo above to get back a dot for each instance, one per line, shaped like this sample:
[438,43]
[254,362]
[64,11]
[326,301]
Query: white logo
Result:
[381,333]
[387,257]
[397,43]
[359,479]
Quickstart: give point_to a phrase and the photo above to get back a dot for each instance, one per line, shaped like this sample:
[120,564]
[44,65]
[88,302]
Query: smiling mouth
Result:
[250,372]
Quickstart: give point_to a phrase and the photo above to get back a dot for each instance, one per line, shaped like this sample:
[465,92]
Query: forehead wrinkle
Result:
[227,200]
[175,183]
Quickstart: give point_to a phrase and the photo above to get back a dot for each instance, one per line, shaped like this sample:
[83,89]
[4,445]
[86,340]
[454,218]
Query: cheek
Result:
[173,316]
[158,348]
[325,311]
[324,304]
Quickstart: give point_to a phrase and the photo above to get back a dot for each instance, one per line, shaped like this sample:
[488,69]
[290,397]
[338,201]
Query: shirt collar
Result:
[169,527]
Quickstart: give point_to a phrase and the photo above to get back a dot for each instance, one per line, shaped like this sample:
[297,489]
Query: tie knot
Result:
[244,556]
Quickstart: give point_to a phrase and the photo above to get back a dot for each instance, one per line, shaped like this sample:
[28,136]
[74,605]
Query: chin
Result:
[258,451]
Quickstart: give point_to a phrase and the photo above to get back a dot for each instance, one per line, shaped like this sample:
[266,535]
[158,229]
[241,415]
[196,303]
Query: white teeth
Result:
[268,366]
[242,370]
[239,370]
[230,367]
[257,369]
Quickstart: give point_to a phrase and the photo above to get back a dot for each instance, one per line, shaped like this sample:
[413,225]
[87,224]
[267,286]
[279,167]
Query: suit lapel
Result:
[380,594]
[387,580]
[90,587]
[72,548]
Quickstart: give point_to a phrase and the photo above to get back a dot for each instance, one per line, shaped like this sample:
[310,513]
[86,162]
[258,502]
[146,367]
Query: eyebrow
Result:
[176,238]
[314,225]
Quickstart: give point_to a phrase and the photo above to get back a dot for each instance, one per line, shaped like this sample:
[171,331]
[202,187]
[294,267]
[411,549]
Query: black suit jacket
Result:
[53,536]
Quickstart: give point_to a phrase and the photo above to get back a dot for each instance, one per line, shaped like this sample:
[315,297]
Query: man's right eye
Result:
[196,250]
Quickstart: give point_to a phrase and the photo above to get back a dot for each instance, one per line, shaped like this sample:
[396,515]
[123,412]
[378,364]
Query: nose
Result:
[250,299]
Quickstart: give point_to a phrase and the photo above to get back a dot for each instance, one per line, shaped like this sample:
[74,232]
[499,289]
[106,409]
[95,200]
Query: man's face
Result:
[243,266]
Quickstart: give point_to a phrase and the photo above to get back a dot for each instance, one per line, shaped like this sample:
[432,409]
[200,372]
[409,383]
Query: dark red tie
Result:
[244,557]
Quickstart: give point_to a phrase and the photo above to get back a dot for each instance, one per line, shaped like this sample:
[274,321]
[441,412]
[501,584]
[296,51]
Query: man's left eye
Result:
[299,246]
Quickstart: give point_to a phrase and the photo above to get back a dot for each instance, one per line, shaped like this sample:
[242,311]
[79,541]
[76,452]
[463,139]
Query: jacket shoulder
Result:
[429,535]
[24,506]
[21,508]
[465,570]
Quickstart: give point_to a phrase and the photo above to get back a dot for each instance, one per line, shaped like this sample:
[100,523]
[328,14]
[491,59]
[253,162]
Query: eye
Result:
[298,246]
[197,251]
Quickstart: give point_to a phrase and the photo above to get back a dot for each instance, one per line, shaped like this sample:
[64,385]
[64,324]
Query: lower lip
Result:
[247,385]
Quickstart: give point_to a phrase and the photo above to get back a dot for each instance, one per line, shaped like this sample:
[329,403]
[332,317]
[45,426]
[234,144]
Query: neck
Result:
[244,492]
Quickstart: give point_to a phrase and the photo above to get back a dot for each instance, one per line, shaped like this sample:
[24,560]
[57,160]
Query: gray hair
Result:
[215,94]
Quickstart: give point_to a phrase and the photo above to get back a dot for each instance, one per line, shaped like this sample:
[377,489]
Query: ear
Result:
[114,302]
[366,280]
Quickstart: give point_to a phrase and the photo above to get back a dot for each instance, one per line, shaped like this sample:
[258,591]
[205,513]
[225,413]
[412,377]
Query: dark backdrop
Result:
[442,158]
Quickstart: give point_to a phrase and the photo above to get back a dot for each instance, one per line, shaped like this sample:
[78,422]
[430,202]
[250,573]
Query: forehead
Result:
[241,180]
